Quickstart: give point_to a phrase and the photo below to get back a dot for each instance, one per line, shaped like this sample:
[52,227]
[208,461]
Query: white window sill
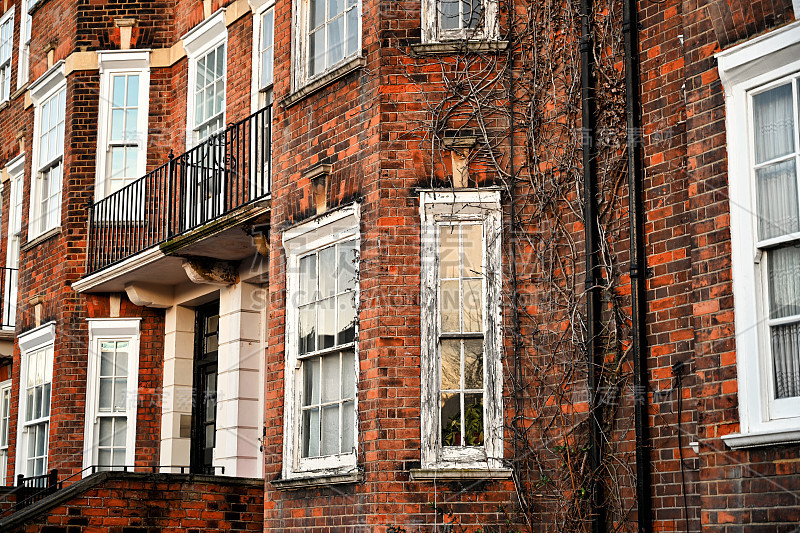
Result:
[323,81]
[737,441]
[39,239]
[458,47]
[458,474]
[325,480]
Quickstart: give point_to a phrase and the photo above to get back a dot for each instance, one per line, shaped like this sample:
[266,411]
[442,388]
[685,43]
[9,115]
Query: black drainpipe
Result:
[630,29]
[594,355]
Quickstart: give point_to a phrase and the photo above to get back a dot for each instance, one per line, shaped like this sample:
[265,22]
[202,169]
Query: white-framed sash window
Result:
[25,23]
[6,46]
[16,169]
[5,424]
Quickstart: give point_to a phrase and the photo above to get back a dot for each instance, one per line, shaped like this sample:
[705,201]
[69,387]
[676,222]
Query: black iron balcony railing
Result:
[226,171]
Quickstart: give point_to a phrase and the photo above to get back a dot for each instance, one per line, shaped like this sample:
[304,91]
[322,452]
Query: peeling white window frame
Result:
[5,67]
[30,342]
[198,42]
[110,64]
[300,62]
[432,32]
[41,91]
[331,228]
[743,70]
[442,206]
[111,329]
[24,61]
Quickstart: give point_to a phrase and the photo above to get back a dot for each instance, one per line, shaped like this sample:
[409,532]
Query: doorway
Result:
[204,401]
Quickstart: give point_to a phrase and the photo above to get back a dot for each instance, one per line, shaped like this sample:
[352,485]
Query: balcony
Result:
[194,193]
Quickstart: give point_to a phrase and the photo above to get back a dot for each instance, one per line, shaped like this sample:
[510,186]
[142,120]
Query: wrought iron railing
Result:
[228,170]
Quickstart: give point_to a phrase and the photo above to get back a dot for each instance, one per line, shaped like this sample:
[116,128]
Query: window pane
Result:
[308,279]
[119,458]
[307,329]
[133,91]
[46,399]
[472,13]
[120,393]
[106,432]
[330,430]
[311,433]
[473,305]
[326,317]
[773,123]
[105,394]
[473,364]
[316,14]
[327,272]
[107,360]
[131,163]
[473,419]
[786,356]
[347,315]
[450,304]
[118,91]
[347,266]
[120,431]
[104,457]
[448,251]
[131,124]
[472,250]
[331,377]
[117,124]
[451,364]
[335,40]
[449,16]
[348,374]
[451,419]
[348,427]
[316,52]
[352,31]
[311,382]
[777,199]
[784,281]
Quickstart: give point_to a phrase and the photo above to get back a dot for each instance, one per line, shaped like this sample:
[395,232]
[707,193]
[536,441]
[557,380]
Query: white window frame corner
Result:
[36,339]
[259,8]
[743,69]
[432,454]
[9,15]
[101,329]
[197,42]
[330,228]
[432,33]
[111,62]
[46,86]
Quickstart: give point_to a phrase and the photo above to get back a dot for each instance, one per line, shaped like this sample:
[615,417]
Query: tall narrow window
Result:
[209,93]
[321,397]
[49,100]
[15,172]
[111,393]
[266,50]
[6,45]
[5,421]
[460,326]
[122,135]
[25,22]
[36,388]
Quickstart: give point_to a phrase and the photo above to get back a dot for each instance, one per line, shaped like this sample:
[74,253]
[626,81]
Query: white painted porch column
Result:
[177,385]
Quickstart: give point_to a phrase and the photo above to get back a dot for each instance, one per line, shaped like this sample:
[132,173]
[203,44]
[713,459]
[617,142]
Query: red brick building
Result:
[400,266]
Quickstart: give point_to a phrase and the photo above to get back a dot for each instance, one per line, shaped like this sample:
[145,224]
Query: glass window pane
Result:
[450,305]
[349,373]
[472,13]
[335,40]
[46,399]
[473,305]
[451,364]
[316,52]
[473,364]
[107,360]
[331,378]
[347,266]
[316,14]
[773,117]
[472,250]
[783,273]
[308,279]
[352,31]
[449,16]
[473,419]
[105,396]
[105,434]
[104,457]
[348,427]
[347,317]
[118,91]
[311,433]
[120,393]
[311,382]
[777,199]
[117,124]
[307,341]
[133,91]
[330,430]
[121,366]
[220,69]
[326,318]
[448,251]
[131,163]
[335,7]
[119,458]
[451,419]
[131,125]
[327,272]
[120,431]
[786,357]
